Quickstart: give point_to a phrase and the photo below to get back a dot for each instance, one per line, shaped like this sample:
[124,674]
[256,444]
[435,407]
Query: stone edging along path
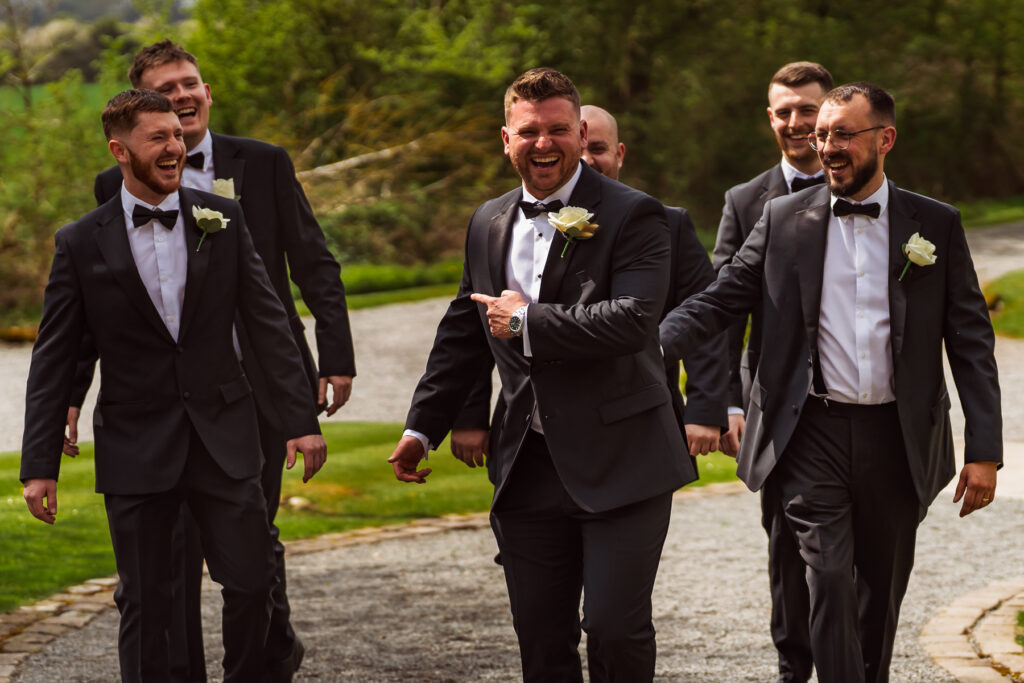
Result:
[972,637]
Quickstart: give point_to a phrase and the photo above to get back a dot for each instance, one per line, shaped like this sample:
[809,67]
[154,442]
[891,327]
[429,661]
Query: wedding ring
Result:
[985,500]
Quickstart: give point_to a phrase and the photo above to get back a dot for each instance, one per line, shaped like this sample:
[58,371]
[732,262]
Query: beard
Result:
[860,177]
[147,175]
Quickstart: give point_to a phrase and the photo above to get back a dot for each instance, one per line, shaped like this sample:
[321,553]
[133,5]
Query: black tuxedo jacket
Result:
[779,270]
[289,240]
[706,367]
[154,387]
[744,204]
[596,374]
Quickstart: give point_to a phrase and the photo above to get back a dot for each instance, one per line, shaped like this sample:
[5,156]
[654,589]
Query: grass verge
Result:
[982,212]
[1005,297]
[356,489]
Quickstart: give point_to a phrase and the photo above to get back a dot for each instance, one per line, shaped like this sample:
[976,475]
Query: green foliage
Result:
[982,212]
[1006,303]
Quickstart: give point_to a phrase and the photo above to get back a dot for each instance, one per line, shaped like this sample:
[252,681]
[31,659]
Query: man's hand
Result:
[730,444]
[470,445]
[977,486]
[71,437]
[499,310]
[38,490]
[341,389]
[407,455]
[314,454]
[702,438]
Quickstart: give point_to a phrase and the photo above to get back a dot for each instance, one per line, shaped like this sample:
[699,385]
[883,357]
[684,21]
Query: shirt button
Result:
[860,315]
[860,274]
[159,239]
[860,231]
[165,278]
[863,395]
[170,318]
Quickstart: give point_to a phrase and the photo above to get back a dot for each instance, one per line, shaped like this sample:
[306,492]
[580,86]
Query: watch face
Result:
[515,323]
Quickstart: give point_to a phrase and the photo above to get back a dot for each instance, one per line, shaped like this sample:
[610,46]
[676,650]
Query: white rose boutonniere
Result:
[225,187]
[919,251]
[209,221]
[574,223]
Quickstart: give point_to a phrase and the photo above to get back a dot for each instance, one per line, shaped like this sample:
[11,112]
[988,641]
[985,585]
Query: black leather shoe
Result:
[283,670]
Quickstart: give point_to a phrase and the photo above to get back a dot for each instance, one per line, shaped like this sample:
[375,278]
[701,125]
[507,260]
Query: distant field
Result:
[10,98]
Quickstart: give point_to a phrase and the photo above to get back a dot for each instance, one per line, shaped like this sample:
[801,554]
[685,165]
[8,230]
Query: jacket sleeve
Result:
[707,366]
[314,271]
[730,239]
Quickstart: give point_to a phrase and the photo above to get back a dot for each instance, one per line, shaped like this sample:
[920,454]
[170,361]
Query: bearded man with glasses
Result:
[862,285]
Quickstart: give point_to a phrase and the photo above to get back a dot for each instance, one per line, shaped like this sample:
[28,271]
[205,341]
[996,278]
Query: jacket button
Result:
[186,395]
[796,410]
[179,349]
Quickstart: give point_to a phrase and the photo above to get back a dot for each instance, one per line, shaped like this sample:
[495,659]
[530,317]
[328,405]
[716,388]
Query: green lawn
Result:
[982,212]
[355,489]
[1006,302]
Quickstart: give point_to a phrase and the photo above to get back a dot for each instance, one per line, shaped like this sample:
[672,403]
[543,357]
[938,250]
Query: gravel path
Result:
[434,608]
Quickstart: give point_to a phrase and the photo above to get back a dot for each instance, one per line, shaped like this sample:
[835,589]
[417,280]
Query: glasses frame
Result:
[812,138]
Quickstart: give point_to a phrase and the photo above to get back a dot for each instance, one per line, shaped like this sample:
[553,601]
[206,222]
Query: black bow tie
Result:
[195,160]
[534,209]
[803,183]
[845,208]
[141,215]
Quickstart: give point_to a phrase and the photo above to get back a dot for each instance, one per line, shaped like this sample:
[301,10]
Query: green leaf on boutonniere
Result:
[209,221]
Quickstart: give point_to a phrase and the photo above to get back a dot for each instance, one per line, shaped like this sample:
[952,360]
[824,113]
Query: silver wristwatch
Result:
[516,322]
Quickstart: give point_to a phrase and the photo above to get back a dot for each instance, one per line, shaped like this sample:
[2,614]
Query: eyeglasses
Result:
[840,139]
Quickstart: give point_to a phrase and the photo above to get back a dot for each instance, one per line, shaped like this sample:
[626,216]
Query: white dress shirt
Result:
[524,264]
[528,251]
[853,329]
[161,257]
[201,179]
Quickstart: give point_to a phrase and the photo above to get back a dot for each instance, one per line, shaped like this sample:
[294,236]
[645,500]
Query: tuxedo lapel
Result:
[901,226]
[198,259]
[811,230]
[112,241]
[227,162]
[775,186]
[499,237]
[586,195]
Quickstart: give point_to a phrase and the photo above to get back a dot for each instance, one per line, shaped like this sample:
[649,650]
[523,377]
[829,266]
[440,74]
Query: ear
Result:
[583,133]
[209,99]
[888,139]
[620,154]
[771,115]
[505,137]
[119,150]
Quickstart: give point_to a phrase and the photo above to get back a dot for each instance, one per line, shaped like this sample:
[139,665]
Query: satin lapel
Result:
[112,241]
[811,233]
[227,163]
[197,260]
[586,195]
[499,237]
[774,187]
[901,226]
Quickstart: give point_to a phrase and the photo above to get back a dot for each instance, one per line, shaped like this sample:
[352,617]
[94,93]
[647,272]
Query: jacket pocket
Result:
[649,397]
[235,389]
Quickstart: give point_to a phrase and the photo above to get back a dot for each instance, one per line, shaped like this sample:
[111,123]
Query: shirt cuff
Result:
[526,333]
[427,446]
[736,410]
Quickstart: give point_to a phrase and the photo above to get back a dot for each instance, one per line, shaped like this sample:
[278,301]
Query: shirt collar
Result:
[206,147]
[789,172]
[563,193]
[879,196]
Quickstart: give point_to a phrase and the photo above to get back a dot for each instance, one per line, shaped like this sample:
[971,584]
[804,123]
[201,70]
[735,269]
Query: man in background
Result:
[795,93]
[290,242]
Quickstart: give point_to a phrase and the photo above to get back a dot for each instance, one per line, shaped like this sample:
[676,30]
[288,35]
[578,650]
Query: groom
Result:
[585,449]
[848,425]
[175,420]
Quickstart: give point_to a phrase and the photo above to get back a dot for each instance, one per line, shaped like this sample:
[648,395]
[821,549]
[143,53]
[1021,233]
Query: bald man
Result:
[702,416]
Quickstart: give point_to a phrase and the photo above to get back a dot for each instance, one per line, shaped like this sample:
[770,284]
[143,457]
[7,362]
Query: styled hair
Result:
[795,74]
[883,107]
[123,109]
[158,54]
[540,84]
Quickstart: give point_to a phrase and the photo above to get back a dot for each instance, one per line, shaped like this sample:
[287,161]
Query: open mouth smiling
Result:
[544,162]
[167,164]
[186,112]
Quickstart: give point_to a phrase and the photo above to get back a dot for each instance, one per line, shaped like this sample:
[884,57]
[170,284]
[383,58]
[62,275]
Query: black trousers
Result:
[188,662]
[847,495]
[552,550]
[790,598]
[231,518]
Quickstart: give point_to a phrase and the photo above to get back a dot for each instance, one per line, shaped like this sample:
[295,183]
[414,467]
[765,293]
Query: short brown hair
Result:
[158,54]
[122,110]
[795,74]
[883,106]
[540,84]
